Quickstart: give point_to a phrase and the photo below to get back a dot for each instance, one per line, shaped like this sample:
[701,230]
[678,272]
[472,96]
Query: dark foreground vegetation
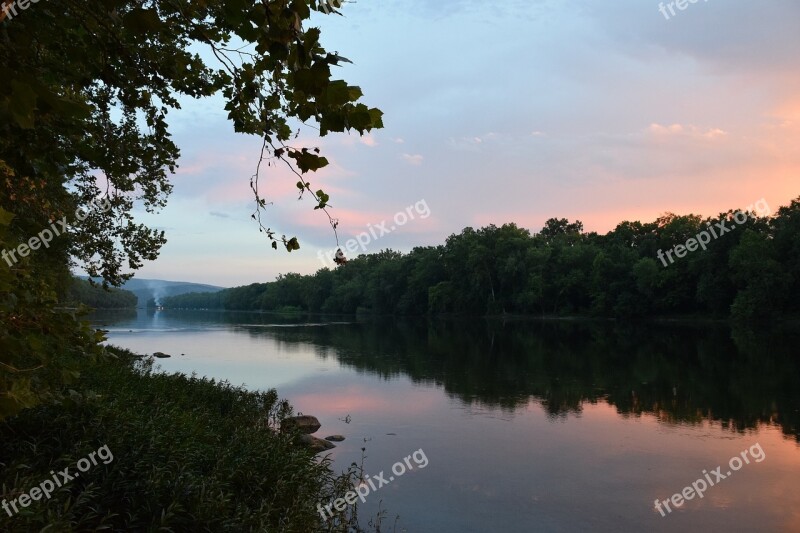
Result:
[748,273]
[86,149]
[189,454]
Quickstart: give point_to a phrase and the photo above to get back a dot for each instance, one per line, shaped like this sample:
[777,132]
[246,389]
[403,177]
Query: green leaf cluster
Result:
[85,96]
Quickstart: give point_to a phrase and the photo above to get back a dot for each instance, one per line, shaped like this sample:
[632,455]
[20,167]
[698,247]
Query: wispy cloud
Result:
[413,159]
[686,131]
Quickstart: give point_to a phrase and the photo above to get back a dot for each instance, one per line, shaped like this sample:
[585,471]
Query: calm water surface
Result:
[526,425]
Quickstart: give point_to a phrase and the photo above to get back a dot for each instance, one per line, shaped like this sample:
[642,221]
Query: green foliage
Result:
[84,99]
[746,274]
[86,91]
[761,277]
[41,346]
[189,455]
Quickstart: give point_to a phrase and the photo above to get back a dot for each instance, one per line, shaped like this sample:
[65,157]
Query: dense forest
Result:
[748,271]
[83,292]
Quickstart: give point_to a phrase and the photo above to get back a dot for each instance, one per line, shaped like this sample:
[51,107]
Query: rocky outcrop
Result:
[304,424]
[316,445]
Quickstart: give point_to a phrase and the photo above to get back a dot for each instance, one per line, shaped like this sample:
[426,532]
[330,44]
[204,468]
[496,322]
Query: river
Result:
[524,425]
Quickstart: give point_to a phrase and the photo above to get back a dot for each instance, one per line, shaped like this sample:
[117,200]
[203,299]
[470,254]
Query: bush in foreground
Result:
[189,454]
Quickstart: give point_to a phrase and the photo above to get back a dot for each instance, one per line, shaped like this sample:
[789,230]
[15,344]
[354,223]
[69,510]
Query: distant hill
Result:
[82,292]
[156,289]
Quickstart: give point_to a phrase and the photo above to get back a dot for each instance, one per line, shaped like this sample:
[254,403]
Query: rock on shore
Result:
[304,424]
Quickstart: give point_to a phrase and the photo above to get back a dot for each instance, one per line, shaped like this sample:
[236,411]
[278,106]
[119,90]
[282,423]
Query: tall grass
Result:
[189,455]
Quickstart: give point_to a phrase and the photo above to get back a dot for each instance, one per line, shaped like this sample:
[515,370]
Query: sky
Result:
[514,111]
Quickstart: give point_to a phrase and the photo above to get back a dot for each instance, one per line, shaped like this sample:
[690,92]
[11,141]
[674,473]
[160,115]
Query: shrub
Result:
[189,454]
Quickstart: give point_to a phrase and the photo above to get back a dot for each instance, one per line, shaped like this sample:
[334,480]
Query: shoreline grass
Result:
[190,454]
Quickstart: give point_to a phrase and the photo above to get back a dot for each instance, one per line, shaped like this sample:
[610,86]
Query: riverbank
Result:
[685,319]
[134,450]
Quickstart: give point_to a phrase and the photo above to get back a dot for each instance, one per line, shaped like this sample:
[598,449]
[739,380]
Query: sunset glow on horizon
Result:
[517,113]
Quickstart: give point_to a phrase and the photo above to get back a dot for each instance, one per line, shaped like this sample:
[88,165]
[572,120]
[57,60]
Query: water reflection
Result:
[679,373]
[543,426]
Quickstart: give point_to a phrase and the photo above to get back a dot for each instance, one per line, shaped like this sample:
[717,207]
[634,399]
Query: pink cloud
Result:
[413,159]
[684,131]
[224,177]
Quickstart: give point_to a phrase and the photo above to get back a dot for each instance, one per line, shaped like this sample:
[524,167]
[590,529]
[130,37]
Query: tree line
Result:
[747,273]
